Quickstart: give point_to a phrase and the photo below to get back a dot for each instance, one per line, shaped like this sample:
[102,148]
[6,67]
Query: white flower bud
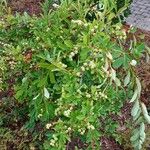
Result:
[83,68]
[72,54]
[92,127]
[82,132]
[133,62]
[88,95]
[92,65]
[86,24]
[55,5]
[95,27]
[69,129]
[67,113]
[48,125]
[47,29]
[78,74]
[92,30]
[76,52]
[85,64]
[39,115]
[79,22]
[64,66]
[37,38]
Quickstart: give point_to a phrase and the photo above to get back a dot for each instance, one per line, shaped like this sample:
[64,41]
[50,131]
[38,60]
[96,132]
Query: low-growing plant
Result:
[71,71]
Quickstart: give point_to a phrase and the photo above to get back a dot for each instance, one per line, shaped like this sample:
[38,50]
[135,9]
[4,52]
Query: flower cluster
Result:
[72,54]
[48,125]
[120,33]
[90,126]
[82,131]
[78,22]
[39,115]
[5,44]
[11,62]
[68,129]
[94,29]
[86,66]
[58,110]
[62,65]
[67,112]
[55,5]
[53,140]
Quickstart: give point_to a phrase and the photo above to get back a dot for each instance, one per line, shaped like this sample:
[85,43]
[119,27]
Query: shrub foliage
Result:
[70,71]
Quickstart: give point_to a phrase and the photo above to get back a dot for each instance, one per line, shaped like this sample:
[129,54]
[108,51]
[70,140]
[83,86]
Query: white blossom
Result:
[79,22]
[89,126]
[78,74]
[92,65]
[85,64]
[48,125]
[55,5]
[83,68]
[92,30]
[133,62]
[47,29]
[67,113]
[39,115]
[86,24]
[52,142]
[88,95]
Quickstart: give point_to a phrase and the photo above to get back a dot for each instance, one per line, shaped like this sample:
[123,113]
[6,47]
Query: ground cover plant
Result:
[65,73]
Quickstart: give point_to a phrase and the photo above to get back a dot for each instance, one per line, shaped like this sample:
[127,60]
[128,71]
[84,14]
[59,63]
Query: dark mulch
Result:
[109,143]
[29,6]
[143,72]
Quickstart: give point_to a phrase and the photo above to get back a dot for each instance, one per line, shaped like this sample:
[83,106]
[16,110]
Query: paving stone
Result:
[140,14]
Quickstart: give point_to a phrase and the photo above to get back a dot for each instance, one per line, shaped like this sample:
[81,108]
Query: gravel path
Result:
[140,14]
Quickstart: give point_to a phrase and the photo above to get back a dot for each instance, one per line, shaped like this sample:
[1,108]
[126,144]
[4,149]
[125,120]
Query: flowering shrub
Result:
[70,72]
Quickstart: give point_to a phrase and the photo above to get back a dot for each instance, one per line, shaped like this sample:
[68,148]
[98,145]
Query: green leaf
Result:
[144,109]
[80,117]
[68,43]
[113,74]
[118,82]
[46,93]
[147,118]
[134,97]
[52,77]
[135,136]
[111,16]
[36,97]
[142,128]
[137,115]
[84,53]
[126,62]
[135,109]
[138,86]
[127,79]
[118,62]
[85,40]
[145,113]
[47,66]
[142,132]
[19,94]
